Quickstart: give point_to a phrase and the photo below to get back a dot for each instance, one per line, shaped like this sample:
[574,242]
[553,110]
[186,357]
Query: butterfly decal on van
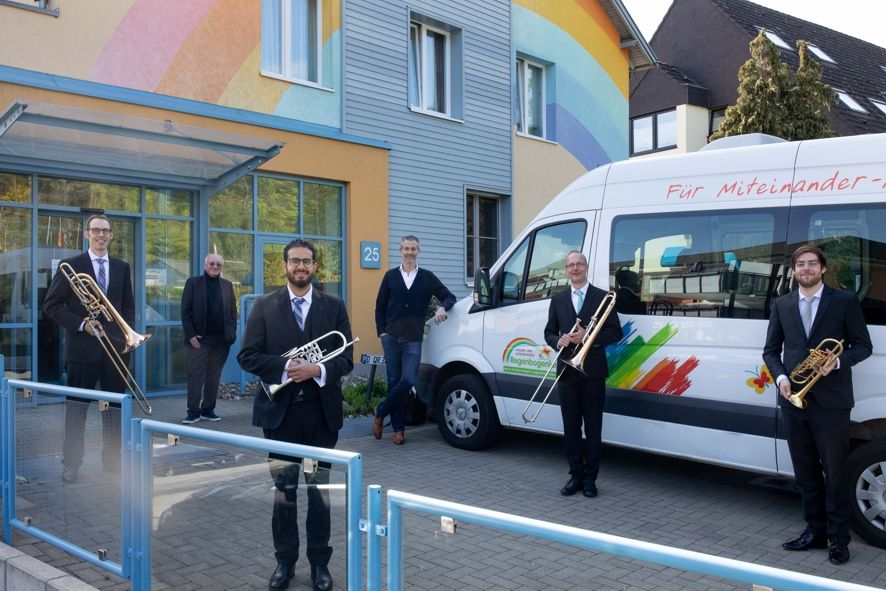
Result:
[760,380]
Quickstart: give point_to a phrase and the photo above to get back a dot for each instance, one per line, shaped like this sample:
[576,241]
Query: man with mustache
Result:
[818,435]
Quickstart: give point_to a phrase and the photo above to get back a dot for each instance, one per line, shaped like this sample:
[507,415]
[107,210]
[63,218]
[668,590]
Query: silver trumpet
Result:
[97,305]
[312,353]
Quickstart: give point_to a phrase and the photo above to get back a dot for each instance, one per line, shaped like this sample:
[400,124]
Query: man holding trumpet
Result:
[818,435]
[308,410]
[582,392]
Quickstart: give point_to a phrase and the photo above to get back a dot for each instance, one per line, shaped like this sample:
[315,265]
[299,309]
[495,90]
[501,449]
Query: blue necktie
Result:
[580,300]
[296,310]
[102,276]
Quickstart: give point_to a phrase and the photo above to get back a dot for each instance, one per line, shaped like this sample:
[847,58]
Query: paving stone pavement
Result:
[212,510]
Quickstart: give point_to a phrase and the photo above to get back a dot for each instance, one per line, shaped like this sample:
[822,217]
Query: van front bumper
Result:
[427,376]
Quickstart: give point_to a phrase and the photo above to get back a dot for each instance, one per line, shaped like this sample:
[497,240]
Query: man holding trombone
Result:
[581,389]
[800,326]
[85,362]
[304,404]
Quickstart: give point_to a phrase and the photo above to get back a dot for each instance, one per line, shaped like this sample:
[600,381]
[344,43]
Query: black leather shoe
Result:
[590,489]
[321,578]
[807,540]
[70,474]
[573,486]
[838,552]
[281,576]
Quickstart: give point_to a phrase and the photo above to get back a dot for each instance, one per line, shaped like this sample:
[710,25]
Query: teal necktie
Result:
[580,300]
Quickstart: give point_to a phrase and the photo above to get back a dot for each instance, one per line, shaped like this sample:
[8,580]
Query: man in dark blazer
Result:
[209,319]
[818,436]
[307,411]
[582,393]
[86,363]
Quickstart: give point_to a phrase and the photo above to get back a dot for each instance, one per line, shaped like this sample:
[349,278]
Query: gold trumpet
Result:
[97,305]
[312,353]
[594,326]
[807,373]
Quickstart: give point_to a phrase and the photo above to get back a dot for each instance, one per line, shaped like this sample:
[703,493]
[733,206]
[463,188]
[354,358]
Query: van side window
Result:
[705,264]
[854,242]
[544,275]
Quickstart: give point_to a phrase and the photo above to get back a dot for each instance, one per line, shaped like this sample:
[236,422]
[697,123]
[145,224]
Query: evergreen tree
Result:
[771,100]
[808,99]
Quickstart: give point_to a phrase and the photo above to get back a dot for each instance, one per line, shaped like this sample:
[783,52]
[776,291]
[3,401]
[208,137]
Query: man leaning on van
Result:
[804,329]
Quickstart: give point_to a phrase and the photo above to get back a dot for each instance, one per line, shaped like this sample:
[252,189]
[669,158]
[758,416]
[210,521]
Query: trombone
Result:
[97,304]
[312,353]
[807,373]
[594,326]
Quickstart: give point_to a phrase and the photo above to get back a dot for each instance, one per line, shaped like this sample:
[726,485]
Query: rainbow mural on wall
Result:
[588,100]
[625,359]
[202,50]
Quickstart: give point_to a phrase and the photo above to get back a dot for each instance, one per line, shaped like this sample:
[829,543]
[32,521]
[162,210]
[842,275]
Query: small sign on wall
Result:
[370,255]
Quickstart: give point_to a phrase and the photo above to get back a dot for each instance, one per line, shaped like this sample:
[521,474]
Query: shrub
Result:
[355,396]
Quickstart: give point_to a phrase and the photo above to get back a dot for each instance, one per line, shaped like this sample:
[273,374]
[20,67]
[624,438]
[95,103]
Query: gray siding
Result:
[432,160]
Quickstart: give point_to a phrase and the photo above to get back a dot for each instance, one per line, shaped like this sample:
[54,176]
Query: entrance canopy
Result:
[72,142]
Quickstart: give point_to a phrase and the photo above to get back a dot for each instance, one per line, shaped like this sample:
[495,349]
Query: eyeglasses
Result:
[304,262]
[101,231]
[576,265]
[219,265]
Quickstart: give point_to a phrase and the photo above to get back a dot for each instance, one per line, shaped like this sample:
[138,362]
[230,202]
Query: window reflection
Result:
[167,267]
[72,193]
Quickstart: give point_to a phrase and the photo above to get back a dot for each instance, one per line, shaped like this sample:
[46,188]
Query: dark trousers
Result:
[103,374]
[581,400]
[402,359]
[818,439]
[204,371]
[303,423]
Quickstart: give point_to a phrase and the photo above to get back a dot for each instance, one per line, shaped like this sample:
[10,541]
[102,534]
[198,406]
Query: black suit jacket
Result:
[63,306]
[561,318]
[194,311]
[271,330]
[840,317]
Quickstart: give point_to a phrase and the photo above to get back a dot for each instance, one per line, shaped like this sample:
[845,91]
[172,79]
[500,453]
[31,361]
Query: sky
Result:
[854,17]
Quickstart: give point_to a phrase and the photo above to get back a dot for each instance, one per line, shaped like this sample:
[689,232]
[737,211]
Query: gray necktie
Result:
[807,314]
[296,310]
[580,300]
[102,276]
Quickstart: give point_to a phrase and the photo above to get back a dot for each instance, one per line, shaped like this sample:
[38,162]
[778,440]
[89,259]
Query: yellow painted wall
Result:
[363,169]
[541,170]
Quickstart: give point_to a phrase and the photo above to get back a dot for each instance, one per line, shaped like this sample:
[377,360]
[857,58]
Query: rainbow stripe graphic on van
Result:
[668,376]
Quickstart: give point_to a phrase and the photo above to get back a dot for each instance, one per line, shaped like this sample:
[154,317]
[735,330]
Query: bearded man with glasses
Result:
[209,320]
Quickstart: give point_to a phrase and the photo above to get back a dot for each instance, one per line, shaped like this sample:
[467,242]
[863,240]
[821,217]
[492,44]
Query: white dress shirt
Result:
[305,307]
[408,276]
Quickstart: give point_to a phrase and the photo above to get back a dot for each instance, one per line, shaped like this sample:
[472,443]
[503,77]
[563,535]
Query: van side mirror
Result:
[482,288]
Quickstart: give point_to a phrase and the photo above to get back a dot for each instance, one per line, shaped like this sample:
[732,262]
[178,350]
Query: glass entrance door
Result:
[271,274]
[60,236]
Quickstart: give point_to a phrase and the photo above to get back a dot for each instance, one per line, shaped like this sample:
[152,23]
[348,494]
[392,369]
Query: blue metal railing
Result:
[8,481]
[716,566]
[142,433]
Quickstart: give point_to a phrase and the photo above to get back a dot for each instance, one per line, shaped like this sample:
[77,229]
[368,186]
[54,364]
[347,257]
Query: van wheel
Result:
[867,473]
[466,413]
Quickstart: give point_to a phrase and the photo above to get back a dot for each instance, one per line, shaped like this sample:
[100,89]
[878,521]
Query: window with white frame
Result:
[291,39]
[429,68]
[482,231]
[849,101]
[530,98]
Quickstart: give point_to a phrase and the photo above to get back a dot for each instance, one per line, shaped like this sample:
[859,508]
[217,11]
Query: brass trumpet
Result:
[97,305]
[312,353]
[807,373]
[594,326]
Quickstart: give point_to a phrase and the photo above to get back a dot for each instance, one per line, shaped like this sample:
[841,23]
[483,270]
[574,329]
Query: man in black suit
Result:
[209,319]
[307,411]
[818,436]
[582,393]
[85,361]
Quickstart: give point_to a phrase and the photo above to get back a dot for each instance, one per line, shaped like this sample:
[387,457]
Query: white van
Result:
[701,245]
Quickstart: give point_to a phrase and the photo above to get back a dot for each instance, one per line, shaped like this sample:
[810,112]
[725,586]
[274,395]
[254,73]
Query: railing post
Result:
[355,543]
[373,541]
[7,437]
[141,506]
[395,546]
[127,506]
